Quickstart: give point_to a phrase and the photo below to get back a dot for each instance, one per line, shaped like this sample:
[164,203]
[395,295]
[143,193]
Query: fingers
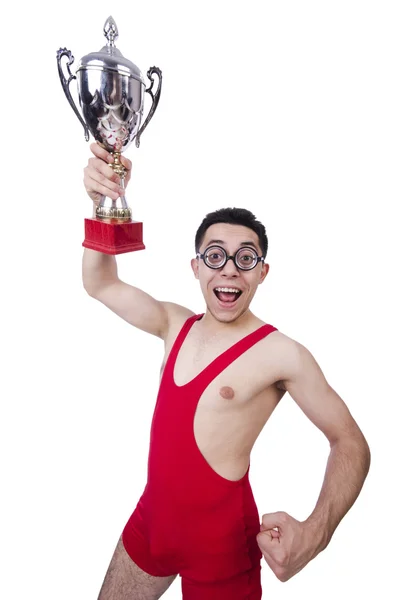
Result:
[275,520]
[127,163]
[100,178]
[94,188]
[101,153]
[274,531]
[103,170]
[106,156]
[101,163]
[269,536]
[276,555]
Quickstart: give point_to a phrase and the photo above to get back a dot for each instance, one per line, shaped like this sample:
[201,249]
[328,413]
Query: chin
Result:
[223,316]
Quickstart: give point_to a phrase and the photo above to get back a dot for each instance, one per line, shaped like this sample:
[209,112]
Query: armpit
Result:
[280,385]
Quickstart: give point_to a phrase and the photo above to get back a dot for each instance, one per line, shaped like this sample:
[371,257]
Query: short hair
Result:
[234,216]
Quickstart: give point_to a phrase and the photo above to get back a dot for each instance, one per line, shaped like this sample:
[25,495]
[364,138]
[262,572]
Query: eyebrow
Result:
[247,243]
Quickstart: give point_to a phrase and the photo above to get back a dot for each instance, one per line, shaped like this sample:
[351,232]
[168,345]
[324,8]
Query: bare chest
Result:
[236,402]
[229,377]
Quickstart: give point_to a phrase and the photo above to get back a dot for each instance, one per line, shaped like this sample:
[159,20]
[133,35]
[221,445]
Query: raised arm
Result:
[100,278]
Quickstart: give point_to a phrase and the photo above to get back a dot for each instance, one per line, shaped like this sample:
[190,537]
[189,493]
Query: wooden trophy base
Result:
[113,238]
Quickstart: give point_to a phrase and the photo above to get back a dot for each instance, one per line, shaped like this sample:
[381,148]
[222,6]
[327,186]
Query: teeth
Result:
[223,289]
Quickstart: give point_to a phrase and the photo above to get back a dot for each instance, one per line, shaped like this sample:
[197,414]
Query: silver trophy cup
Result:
[111,94]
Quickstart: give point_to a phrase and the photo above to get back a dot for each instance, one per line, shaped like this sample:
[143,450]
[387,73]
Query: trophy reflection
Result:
[111,95]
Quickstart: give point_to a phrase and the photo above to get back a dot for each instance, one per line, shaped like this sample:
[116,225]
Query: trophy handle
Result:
[155,100]
[66,82]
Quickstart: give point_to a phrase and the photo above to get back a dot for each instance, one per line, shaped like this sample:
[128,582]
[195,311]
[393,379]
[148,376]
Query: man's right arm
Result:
[100,278]
[135,306]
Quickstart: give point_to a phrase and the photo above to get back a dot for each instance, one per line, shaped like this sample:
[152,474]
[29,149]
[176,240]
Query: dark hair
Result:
[235,216]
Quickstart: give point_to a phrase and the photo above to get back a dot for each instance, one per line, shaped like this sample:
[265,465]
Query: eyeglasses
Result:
[215,257]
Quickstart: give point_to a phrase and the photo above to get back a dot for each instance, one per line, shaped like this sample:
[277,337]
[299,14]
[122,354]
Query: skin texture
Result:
[242,405]
[124,580]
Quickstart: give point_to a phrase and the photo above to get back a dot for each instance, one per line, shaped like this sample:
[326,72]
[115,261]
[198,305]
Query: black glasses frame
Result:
[232,257]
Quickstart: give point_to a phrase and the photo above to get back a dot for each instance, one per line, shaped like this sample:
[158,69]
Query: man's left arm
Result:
[293,544]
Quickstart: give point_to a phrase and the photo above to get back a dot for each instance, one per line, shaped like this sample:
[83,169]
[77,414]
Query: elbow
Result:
[367,454]
[89,289]
[364,449]
[355,443]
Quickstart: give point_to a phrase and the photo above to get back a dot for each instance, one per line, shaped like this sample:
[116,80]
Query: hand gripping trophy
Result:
[111,94]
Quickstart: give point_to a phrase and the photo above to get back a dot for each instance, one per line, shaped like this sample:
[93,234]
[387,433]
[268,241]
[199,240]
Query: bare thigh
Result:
[124,580]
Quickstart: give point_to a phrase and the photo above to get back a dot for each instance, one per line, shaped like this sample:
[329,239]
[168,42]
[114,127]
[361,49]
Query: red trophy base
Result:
[113,238]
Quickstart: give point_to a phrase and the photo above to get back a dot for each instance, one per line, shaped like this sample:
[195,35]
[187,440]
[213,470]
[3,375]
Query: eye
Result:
[246,258]
[214,256]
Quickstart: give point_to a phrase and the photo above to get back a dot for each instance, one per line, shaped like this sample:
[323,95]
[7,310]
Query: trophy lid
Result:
[109,58]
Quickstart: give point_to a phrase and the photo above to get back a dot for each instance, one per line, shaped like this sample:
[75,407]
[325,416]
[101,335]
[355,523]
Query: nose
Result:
[229,268]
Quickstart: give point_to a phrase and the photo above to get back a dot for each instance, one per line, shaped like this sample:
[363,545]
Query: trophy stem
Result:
[118,166]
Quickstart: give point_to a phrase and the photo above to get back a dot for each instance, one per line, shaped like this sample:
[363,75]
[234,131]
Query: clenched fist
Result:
[287,545]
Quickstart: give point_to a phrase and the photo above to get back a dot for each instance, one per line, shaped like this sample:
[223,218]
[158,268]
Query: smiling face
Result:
[231,238]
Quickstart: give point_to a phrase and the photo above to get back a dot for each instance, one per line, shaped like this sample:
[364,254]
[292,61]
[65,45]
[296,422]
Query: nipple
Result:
[227,392]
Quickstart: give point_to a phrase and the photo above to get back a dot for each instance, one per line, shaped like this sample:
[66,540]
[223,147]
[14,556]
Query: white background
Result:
[286,108]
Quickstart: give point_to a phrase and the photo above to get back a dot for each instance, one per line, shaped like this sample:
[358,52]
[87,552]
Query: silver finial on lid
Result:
[110,31]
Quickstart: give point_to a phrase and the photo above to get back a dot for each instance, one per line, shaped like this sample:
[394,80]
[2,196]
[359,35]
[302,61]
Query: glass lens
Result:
[215,257]
[246,258]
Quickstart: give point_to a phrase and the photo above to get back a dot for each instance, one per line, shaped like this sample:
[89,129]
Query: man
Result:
[224,372]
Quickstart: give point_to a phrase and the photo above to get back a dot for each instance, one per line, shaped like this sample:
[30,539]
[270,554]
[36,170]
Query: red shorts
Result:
[216,554]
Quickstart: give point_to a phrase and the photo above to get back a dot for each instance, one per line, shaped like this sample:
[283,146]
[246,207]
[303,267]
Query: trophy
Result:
[111,95]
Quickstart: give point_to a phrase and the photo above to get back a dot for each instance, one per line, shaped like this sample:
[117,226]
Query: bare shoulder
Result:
[176,317]
[287,357]
[177,311]
[300,375]
[281,342]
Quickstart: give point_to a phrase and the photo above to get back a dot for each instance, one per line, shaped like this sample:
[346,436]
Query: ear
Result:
[194,265]
[265,271]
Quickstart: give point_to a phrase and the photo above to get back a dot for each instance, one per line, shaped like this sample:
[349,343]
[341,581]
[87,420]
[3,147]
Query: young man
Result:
[224,373]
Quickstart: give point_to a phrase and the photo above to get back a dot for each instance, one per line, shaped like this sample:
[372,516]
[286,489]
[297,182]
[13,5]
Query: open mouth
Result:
[227,295]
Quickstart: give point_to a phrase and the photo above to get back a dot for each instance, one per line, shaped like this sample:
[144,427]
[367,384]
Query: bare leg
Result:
[124,580]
